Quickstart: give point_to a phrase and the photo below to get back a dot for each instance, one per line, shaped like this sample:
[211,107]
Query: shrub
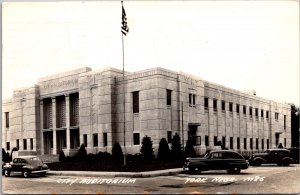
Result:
[176,149]
[82,154]
[103,156]
[134,157]
[147,149]
[163,150]
[189,149]
[5,156]
[62,156]
[117,153]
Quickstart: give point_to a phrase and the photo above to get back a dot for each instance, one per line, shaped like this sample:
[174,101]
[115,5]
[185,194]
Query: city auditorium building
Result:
[82,106]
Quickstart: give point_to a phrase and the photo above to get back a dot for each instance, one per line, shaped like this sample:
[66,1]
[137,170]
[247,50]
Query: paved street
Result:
[266,179]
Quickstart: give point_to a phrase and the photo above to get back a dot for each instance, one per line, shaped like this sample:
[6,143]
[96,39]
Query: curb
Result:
[118,174]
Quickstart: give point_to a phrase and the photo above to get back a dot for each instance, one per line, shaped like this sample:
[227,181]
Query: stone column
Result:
[42,127]
[67,98]
[54,124]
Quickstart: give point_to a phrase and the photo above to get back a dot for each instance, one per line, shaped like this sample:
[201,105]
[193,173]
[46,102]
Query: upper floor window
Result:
[276,116]
[250,111]
[237,108]
[244,110]
[192,99]
[223,105]
[267,114]
[215,106]
[206,103]
[135,102]
[104,139]
[7,119]
[262,113]
[169,97]
[284,121]
[230,106]
[256,112]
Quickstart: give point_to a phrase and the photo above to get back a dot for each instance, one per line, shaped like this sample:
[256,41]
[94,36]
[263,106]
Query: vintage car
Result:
[228,160]
[26,165]
[272,156]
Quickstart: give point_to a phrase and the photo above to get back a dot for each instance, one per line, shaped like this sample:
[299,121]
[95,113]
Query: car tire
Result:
[43,174]
[257,163]
[26,174]
[192,170]
[234,171]
[286,163]
[6,173]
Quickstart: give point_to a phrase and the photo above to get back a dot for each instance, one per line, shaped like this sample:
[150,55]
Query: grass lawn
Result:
[113,165]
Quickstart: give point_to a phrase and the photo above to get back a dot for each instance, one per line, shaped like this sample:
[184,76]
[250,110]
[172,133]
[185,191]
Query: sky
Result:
[243,45]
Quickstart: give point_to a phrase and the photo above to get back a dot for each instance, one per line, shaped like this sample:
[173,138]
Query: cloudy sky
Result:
[239,44]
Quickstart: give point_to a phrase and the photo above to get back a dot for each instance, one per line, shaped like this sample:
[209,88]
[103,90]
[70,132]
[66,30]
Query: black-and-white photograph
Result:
[148,97]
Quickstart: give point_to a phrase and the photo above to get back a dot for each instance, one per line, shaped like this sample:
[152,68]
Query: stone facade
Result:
[82,106]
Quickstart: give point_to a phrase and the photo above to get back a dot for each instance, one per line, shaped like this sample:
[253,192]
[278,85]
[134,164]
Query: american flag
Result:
[124,28]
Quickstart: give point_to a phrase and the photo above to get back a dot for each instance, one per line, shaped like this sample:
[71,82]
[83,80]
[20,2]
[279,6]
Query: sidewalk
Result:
[165,172]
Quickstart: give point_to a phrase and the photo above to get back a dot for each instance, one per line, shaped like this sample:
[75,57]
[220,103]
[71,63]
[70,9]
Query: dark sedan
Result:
[26,165]
[228,160]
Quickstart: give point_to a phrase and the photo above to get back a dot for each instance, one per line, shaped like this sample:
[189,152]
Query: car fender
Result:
[260,159]
[289,159]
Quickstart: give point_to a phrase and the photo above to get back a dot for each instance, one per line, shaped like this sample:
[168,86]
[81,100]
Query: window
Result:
[284,122]
[104,139]
[7,119]
[18,144]
[251,143]
[256,112]
[245,143]
[267,114]
[268,144]
[284,142]
[223,141]
[231,142]
[196,140]
[256,143]
[250,112]
[230,106]
[276,115]
[244,110]
[262,113]
[223,105]
[24,144]
[31,144]
[194,100]
[169,97]
[262,144]
[238,146]
[206,103]
[135,102]
[7,146]
[215,104]
[206,140]
[169,136]
[215,140]
[238,108]
[136,139]
[85,140]
[95,139]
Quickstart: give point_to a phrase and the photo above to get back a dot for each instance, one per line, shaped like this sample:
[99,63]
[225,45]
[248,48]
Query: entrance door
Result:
[48,142]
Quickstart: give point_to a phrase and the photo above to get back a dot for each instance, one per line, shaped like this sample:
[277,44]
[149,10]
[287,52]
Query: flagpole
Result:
[124,131]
